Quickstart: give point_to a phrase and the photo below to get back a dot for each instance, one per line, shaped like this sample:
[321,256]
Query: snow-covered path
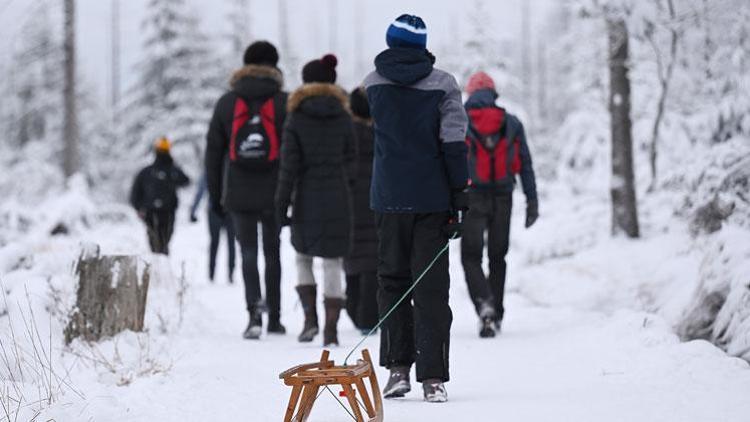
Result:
[550,363]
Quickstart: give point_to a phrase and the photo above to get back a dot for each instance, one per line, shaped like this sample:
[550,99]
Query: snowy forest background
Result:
[689,71]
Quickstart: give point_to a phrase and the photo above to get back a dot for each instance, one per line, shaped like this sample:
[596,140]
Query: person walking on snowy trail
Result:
[497,153]
[216,222]
[361,263]
[242,166]
[154,196]
[317,157]
[419,175]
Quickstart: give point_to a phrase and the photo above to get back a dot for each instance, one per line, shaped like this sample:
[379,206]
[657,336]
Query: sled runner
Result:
[307,382]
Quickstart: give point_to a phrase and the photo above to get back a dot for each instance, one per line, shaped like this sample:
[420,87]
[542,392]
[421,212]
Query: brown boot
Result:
[333,307]
[307,296]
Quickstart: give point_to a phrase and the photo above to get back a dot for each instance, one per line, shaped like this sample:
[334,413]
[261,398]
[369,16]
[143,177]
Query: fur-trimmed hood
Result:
[257,71]
[256,81]
[319,99]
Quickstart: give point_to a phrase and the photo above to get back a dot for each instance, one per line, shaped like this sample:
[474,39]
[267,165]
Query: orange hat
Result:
[162,144]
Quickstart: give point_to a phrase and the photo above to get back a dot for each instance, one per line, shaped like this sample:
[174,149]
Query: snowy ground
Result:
[570,349]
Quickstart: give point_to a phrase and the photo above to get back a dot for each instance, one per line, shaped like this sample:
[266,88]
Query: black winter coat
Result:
[237,188]
[317,159]
[155,187]
[364,255]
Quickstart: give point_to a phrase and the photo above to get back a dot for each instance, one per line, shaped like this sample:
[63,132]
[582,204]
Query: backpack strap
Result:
[268,118]
[239,117]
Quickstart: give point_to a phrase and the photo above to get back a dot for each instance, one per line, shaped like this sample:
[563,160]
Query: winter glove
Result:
[532,212]
[452,229]
[459,205]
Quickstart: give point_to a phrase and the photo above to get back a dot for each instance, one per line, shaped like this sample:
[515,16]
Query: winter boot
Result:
[333,307]
[275,326]
[254,327]
[487,320]
[398,383]
[307,296]
[434,391]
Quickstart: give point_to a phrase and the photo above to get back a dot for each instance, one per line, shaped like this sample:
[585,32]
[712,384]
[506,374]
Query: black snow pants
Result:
[361,299]
[488,213]
[419,329]
[246,227]
[217,222]
[159,227]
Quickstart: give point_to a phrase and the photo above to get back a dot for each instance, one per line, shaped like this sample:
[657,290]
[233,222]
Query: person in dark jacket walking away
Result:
[216,222]
[497,153]
[154,196]
[361,263]
[418,178]
[242,166]
[314,179]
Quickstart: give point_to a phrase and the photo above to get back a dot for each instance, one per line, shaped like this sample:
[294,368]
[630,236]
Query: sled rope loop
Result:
[402,298]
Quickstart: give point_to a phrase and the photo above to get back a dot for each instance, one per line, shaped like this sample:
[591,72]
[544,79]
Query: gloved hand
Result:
[532,212]
[193,218]
[453,227]
[459,206]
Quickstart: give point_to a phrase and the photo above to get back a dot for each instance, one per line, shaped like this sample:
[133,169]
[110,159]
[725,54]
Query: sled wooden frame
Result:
[307,380]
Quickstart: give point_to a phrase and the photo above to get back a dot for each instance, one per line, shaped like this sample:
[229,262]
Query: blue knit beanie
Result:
[407,31]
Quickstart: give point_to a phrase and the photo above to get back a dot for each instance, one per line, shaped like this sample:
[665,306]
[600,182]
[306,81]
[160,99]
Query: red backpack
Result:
[254,144]
[494,153]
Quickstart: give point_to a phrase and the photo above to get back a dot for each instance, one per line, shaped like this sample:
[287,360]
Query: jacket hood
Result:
[254,81]
[319,100]
[482,98]
[404,66]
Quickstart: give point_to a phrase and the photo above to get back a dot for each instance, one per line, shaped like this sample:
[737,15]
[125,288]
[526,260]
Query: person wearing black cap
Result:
[242,166]
[315,178]
[419,174]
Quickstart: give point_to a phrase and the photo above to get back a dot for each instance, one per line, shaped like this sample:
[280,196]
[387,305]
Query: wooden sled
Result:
[307,380]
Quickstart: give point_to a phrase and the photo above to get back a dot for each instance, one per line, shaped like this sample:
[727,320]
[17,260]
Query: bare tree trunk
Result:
[624,209]
[111,297]
[70,122]
[288,57]
[526,78]
[665,77]
[333,15]
[115,88]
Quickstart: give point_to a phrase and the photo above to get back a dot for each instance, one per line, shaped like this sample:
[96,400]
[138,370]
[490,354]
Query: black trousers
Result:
[246,226]
[490,214]
[159,227]
[361,299]
[418,330]
[217,222]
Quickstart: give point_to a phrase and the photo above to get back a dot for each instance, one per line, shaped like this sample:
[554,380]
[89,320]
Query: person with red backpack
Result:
[242,168]
[498,152]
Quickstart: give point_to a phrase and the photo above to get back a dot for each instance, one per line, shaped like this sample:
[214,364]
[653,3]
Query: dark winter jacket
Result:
[420,129]
[493,161]
[155,187]
[317,161]
[237,188]
[364,255]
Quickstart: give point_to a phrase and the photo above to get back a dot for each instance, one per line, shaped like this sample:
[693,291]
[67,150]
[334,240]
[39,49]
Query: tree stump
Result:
[111,296]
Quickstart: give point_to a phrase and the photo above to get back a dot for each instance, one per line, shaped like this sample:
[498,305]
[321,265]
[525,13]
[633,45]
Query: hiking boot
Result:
[307,296]
[254,327]
[333,307]
[434,391]
[275,326]
[398,383]
[487,318]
